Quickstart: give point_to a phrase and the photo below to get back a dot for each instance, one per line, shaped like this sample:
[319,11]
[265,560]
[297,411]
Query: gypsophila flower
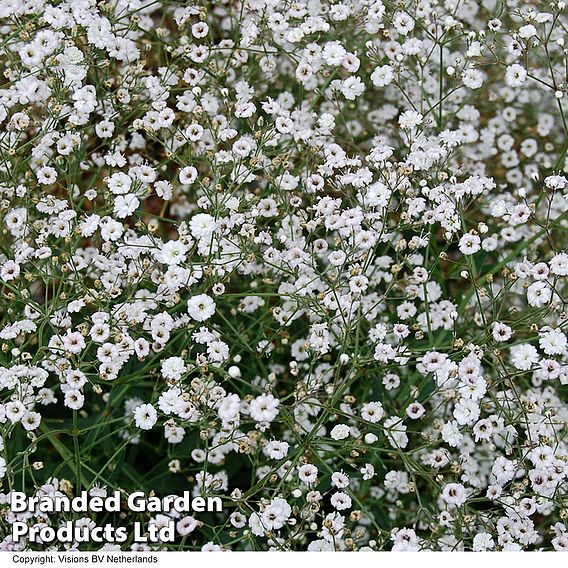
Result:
[145,416]
[200,307]
[307,473]
[470,244]
[454,494]
[308,259]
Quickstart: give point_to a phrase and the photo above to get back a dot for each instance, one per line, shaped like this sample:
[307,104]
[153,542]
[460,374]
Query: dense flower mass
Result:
[309,256]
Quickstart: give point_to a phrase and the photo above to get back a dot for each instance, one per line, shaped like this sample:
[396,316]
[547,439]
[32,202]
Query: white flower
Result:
[264,408]
[74,399]
[553,342]
[145,416]
[46,175]
[341,501]
[31,420]
[403,23]
[405,540]
[119,183]
[515,75]
[333,53]
[340,432]
[451,434]
[172,253]
[382,76]
[202,226]
[256,525]
[415,410]
[15,411]
[125,205]
[104,129]
[466,411]
[186,525]
[173,368]
[164,189]
[9,270]
[410,119]
[188,175]
[276,514]
[352,87]
[503,470]
[454,494]
[200,307]
[372,412]
[469,244]
[199,30]
[396,432]
[276,450]
[524,356]
[367,471]
[473,78]
[559,264]
[539,294]
[73,342]
[527,31]
[321,545]
[340,480]
[483,541]
[501,332]
[308,473]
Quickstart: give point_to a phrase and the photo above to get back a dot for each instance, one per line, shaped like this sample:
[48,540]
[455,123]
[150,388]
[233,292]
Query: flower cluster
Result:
[310,257]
